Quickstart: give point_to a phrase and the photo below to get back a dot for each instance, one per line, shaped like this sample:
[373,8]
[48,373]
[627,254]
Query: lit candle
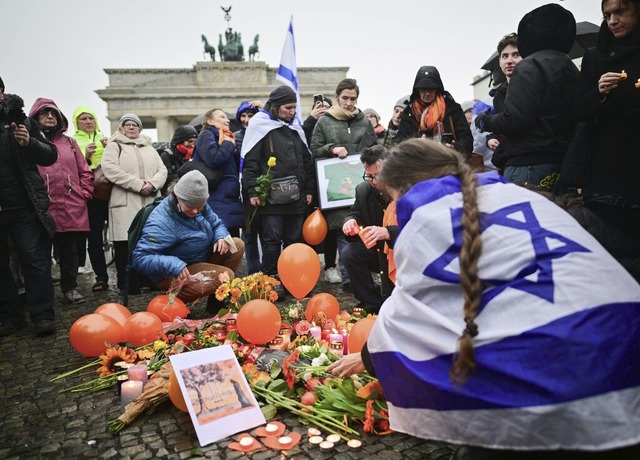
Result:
[285,333]
[337,348]
[130,390]
[315,332]
[120,380]
[334,438]
[326,333]
[335,337]
[276,343]
[345,342]
[358,312]
[138,372]
[231,325]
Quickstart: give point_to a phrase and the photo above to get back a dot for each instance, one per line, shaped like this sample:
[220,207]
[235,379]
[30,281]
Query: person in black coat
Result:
[274,133]
[180,151]
[433,113]
[365,216]
[24,218]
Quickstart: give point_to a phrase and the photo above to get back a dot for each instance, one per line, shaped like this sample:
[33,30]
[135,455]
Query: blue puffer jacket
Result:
[225,199]
[170,240]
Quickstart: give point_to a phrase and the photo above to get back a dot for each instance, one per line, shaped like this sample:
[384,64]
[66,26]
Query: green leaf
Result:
[279,386]
[275,369]
[197,452]
[269,411]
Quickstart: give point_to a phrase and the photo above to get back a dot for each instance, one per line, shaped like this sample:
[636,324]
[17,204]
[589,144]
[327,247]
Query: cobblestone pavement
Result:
[40,422]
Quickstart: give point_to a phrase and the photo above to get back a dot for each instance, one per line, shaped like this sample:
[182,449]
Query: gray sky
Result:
[59,49]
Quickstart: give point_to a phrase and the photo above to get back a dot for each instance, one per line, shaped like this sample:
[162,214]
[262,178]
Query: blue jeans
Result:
[277,232]
[98,215]
[544,177]
[31,244]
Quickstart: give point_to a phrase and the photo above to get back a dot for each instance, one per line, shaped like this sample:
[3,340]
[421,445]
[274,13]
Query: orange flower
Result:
[369,417]
[371,391]
[112,356]
[273,296]
[287,368]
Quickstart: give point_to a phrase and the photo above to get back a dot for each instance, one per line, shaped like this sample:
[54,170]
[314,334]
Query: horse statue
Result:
[208,49]
[253,49]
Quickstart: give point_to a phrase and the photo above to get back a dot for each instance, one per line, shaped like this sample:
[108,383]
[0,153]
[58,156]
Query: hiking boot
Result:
[332,275]
[73,296]
[45,326]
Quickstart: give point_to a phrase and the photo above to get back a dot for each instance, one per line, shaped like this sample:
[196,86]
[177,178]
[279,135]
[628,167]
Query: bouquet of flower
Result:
[241,290]
[264,186]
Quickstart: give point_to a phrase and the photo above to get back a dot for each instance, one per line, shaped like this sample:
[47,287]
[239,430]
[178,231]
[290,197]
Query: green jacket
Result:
[83,138]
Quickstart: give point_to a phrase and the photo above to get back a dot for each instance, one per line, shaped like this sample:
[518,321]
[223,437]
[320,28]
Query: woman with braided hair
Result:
[492,277]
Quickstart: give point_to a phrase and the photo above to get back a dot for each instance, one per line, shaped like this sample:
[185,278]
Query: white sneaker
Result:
[332,275]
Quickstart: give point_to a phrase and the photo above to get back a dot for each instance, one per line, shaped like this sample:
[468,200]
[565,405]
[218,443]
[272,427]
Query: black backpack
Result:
[133,236]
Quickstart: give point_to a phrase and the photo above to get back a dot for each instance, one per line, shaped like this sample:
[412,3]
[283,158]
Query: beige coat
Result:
[127,163]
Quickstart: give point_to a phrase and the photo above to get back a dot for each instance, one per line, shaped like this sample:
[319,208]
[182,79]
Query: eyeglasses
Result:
[370,177]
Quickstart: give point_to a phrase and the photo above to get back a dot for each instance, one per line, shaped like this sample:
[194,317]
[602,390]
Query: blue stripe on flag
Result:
[585,354]
[288,75]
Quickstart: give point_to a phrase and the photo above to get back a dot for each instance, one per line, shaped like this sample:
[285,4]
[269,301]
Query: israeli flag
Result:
[558,350]
[288,71]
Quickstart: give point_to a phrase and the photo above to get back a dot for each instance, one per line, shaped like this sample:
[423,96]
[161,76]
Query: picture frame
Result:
[216,393]
[337,181]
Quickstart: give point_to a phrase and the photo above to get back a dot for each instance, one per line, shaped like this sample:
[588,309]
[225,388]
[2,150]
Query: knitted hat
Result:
[372,112]
[130,117]
[467,105]
[193,189]
[549,27]
[183,133]
[282,95]
[403,102]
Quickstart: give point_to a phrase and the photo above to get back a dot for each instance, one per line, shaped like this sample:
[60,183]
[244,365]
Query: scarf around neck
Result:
[429,115]
[185,151]
[341,114]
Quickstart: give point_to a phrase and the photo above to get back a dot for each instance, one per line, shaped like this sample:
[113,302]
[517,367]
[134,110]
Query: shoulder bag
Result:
[101,185]
[285,189]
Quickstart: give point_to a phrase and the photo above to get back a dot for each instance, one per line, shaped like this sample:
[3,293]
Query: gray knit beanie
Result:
[193,189]
[130,117]
[372,112]
[403,102]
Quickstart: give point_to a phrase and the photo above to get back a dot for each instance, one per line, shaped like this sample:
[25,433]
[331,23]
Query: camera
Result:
[11,110]
[318,98]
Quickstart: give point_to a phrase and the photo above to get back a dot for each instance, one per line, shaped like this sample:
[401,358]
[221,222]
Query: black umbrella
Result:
[586,37]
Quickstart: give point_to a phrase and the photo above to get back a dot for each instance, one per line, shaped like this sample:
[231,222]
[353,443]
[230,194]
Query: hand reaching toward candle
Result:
[347,366]
[350,227]
[374,234]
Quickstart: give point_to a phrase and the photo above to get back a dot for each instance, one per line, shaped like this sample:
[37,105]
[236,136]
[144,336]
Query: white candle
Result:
[316,440]
[335,337]
[315,332]
[271,428]
[284,440]
[246,441]
[334,438]
[130,390]
[313,432]
[138,372]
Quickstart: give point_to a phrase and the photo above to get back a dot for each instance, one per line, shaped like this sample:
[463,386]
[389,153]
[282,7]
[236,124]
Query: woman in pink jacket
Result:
[69,182]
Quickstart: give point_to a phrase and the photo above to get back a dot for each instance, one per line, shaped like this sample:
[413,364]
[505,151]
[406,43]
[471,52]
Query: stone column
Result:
[165,126]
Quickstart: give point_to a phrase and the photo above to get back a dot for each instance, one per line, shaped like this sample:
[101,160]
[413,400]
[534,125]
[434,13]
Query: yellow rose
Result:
[159,345]
[272,162]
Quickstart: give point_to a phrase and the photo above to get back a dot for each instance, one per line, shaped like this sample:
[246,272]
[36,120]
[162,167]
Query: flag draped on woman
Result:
[558,350]
[288,71]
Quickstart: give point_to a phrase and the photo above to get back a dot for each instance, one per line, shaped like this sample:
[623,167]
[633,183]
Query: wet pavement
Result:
[41,422]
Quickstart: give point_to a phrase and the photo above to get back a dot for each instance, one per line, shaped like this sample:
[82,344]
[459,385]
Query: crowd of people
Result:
[488,294]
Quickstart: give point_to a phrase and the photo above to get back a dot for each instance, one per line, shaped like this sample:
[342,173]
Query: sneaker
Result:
[332,275]
[45,326]
[73,296]
[84,270]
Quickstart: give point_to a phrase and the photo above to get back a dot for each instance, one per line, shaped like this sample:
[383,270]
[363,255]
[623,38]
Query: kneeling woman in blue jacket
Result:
[183,237]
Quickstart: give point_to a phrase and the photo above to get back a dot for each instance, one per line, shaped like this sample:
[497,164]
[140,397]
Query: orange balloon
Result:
[359,333]
[299,269]
[258,321]
[92,333]
[322,302]
[142,328]
[118,312]
[314,229]
[166,310]
[175,393]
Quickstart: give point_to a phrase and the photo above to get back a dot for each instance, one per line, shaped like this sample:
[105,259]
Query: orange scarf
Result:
[226,135]
[390,218]
[431,114]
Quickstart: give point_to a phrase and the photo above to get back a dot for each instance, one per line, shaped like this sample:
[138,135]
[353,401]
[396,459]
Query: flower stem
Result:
[75,371]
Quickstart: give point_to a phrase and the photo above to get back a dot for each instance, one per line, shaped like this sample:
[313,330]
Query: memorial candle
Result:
[335,337]
[315,332]
[345,342]
[138,372]
[129,391]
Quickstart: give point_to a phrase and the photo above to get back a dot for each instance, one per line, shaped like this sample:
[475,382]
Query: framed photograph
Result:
[337,181]
[216,392]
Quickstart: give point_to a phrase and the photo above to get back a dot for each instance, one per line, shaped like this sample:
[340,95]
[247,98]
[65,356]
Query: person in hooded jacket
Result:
[69,183]
[92,142]
[24,218]
[537,118]
[433,113]
[216,147]
[179,152]
[610,101]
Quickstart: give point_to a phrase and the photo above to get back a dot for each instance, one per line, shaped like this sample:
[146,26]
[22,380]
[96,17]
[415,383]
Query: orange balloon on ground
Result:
[175,393]
[322,302]
[258,321]
[299,269]
[314,229]
[166,310]
[92,333]
[118,312]
[142,328]
[359,333]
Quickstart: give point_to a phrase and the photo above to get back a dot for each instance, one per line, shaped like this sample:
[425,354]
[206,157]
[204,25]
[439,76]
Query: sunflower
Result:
[113,355]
